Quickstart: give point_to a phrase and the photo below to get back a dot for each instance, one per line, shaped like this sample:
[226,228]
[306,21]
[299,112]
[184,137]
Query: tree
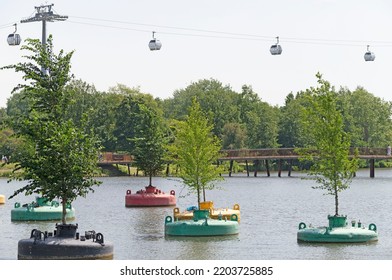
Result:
[100,107]
[367,117]
[195,150]
[260,120]
[149,149]
[218,102]
[233,136]
[60,157]
[128,115]
[332,166]
[290,127]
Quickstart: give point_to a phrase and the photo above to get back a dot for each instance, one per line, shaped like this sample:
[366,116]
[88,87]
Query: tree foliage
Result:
[128,116]
[149,152]
[195,150]
[332,168]
[218,102]
[60,157]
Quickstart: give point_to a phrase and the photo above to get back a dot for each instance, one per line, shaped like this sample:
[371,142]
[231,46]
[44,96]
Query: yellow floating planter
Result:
[214,213]
[2,199]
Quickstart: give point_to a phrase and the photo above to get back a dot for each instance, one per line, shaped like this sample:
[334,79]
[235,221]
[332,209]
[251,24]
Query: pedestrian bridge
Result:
[259,156]
[281,155]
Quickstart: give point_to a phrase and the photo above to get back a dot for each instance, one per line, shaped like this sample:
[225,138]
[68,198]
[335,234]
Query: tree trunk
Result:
[150,183]
[198,197]
[336,203]
[64,206]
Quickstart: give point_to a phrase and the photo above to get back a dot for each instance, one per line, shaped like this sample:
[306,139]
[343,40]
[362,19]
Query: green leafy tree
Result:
[366,117]
[128,116]
[100,109]
[149,152]
[218,102]
[233,136]
[59,158]
[291,132]
[260,120]
[332,167]
[195,150]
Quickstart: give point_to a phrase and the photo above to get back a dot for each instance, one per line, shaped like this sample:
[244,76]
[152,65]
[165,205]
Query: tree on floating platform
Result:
[329,148]
[196,150]
[60,158]
[149,145]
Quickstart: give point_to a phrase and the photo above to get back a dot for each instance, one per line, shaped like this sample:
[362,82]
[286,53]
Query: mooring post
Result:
[372,168]
[267,167]
[167,169]
[231,168]
[255,166]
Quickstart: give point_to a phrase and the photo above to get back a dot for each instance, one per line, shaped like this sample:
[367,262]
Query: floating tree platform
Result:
[41,210]
[2,199]
[151,196]
[202,225]
[64,244]
[215,213]
[338,231]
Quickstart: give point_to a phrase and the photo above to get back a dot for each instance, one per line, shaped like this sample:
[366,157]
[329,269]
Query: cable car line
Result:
[179,28]
[168,33]
[244,35]
[155,44]
[237,36]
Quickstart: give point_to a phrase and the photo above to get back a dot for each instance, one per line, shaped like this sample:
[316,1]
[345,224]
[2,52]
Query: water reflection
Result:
[206,247]
[332,251]
[147,222]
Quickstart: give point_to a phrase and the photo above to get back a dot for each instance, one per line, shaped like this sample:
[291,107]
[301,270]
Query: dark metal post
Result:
[372,168]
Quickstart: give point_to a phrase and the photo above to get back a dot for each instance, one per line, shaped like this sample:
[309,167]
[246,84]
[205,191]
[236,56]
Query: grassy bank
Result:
[6,170]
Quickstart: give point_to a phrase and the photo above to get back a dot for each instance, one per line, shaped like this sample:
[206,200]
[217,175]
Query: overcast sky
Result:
[225,40]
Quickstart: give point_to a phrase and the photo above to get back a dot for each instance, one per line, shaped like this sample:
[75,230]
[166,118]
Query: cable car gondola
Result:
[14,38]
[154,44]
[369,56]
[276,49]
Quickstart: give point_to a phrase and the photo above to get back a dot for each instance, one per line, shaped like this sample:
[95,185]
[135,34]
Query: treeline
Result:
[239,119]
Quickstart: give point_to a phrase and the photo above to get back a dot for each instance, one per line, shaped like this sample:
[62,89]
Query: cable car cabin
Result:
[155,45]
[276,49]
[14,39]
[369,56]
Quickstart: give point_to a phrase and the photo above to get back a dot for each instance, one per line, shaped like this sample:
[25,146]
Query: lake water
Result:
[271,209]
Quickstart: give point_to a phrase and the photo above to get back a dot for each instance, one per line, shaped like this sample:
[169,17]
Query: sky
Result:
[225,40]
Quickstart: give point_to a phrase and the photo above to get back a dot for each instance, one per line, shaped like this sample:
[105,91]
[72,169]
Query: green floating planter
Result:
[338,231]
[202,225]
[41,210]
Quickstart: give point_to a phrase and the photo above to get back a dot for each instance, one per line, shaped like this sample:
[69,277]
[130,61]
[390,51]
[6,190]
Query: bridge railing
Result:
[270,152]
[115,157]
[107,157]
